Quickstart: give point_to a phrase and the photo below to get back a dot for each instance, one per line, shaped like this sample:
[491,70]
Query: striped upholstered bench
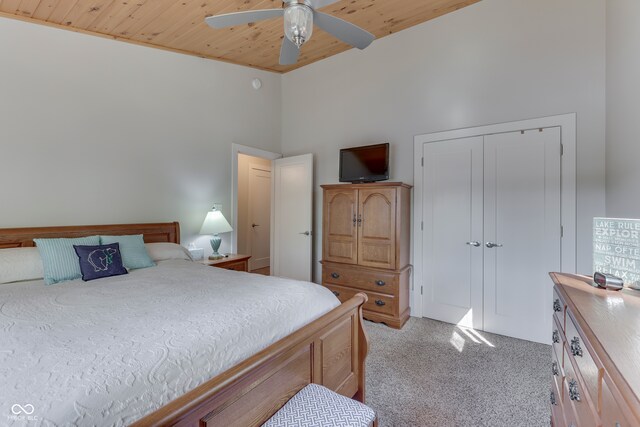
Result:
[317,406]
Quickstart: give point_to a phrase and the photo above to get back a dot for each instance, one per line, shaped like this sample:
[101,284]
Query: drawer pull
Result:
[554,369]
[576,349]
[380,303]
[555,337]
[574,393]
[553,398]
[380,282]
[336,293]
[557,307]
[335,275]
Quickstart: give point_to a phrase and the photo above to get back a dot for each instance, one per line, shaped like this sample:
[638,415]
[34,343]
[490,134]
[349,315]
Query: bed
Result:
[177,344]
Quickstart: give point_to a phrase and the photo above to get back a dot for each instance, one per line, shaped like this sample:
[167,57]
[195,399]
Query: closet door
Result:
[522,231]
[340,222]
[377,227]
[452,231]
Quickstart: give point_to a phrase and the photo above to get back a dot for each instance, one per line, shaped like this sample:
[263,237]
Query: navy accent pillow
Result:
[100,261]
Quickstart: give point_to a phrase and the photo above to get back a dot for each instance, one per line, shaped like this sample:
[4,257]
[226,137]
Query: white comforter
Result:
[110,351]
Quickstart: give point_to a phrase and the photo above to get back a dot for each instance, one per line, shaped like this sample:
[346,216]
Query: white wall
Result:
[495,61]
[623,108]
[94,131]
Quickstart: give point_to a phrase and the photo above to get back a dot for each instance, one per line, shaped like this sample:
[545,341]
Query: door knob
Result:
[474,244]
[255,225]
[306,233]
[492,245]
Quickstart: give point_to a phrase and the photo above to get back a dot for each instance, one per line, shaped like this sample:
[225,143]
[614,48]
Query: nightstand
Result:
[236,262]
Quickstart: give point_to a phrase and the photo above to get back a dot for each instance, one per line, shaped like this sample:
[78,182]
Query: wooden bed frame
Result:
[330,351]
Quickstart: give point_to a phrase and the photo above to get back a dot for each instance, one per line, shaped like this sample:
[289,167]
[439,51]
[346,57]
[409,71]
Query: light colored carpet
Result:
[433,374]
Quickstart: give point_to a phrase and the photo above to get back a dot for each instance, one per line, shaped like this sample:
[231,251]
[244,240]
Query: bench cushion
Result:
[317,406]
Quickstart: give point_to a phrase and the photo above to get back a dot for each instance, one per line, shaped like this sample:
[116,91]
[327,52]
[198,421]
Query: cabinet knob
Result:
[555,337]
[336,293]
[553,398]
[574,393]
[554,369]
[380,282]
[335,275]
[576,348]
[557,307]
[380,303]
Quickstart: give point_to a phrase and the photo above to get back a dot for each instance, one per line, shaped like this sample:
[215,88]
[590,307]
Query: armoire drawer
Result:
[379,303]
[368,280]
[576,347]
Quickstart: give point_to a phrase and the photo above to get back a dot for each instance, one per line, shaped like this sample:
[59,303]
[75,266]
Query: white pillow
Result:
[20,264]
[165,251]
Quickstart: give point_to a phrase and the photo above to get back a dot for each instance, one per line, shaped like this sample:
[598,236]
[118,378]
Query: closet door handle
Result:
[474,244]
[492,245]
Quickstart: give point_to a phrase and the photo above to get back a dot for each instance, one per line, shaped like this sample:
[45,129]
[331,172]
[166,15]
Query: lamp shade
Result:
[215,223]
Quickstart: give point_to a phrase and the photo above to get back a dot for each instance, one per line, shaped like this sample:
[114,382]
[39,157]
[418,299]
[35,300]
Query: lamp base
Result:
[215,245]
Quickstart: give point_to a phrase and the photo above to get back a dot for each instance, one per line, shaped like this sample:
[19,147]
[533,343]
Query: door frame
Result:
[250,151]
[568,135]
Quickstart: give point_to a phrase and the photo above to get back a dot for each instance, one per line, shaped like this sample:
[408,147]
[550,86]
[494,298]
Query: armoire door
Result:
[341,236]
[377,227]
[522,231]
[452,231]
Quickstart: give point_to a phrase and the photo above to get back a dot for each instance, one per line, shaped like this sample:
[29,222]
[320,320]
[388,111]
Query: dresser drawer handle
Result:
[380,282]
[336,293]
[557,307]
[576,349]
[574,393]
[335,275]
[380,303]
[553,398]
[555,337]
[554,369]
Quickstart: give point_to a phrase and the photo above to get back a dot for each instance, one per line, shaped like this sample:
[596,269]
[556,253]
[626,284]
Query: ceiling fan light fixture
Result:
[298,23]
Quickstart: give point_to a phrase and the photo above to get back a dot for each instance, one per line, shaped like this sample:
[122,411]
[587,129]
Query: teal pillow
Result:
[59,259]
[134,253]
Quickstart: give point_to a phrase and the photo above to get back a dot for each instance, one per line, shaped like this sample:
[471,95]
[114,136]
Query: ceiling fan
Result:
[299,16]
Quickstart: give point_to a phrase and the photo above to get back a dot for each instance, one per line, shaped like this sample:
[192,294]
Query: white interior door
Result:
[259,207]
[292,217]
[522,215]
[452,235]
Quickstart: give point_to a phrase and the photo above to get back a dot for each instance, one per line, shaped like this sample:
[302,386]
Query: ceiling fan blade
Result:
[239,18]
[319,4]
[345,31]
[288,52]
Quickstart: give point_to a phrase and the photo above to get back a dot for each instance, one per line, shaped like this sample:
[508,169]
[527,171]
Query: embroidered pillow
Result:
[100,261]
[59,260]
[134,253]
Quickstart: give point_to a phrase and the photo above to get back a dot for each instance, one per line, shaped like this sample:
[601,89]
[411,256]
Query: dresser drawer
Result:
[576,399]
[380,282]
[557,340]
[236,266]
[557,371]
[378,303]
[577,348]
[559,308]
[612,413]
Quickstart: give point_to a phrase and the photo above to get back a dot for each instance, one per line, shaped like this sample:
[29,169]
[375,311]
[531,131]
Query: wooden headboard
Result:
[153,233]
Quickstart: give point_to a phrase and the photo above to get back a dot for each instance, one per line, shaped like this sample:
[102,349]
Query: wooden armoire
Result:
[365,247]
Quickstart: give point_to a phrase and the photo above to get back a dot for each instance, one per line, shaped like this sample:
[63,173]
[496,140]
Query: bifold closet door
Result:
[452,236]
[522,231]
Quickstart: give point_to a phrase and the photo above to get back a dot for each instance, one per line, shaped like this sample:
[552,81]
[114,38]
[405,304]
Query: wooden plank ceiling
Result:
[179,25]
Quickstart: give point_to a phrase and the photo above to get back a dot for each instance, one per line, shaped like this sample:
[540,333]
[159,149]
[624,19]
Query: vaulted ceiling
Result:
[179,25]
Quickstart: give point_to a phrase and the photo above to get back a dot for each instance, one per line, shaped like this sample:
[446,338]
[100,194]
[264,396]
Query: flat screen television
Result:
[364,164]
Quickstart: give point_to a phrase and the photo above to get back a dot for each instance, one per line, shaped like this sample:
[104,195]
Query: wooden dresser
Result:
[365,247]
[596,355]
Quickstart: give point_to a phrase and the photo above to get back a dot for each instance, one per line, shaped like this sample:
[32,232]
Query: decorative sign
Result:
[616,248]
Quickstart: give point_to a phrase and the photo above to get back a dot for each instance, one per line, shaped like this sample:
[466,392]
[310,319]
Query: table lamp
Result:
[214,224]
